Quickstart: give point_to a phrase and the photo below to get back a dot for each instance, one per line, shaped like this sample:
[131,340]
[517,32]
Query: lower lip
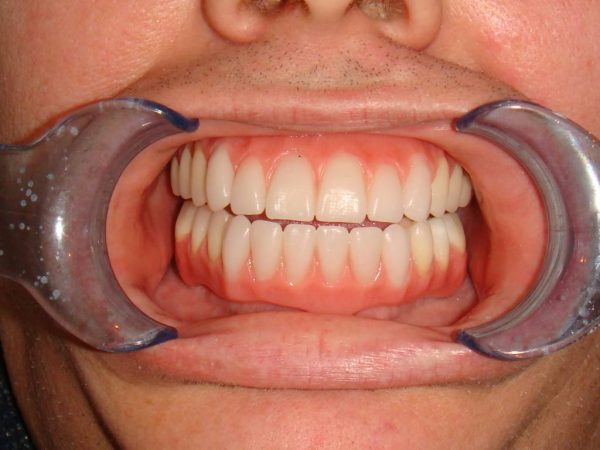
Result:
[293,350]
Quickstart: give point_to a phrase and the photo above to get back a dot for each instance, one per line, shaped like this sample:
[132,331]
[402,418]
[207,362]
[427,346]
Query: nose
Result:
[410,23]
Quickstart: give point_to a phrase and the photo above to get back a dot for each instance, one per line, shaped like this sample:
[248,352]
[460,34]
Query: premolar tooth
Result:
[183,225]
[219,178]
[200,227]
[439,188]
[342,196]
[454,187]
[249,190]
[466,191]
[395,254]
[266,241]
[441,244]
[291,193]
[417,189]
[421,246]
[185,172]
[365,253]
[175,176]
[236,247]
[332,250]
[216,229]
[298,251]
[198,181]
[456,233]
[385,196]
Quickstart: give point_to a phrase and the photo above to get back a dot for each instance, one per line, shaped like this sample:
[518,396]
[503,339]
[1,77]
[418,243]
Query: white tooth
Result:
[439,188]
[249,189]
[456,233]
[342,196]
[365,253]
[219,178]
[183,225]
[417,189]
[200,227]
[332,251]
[454,187]
[266,241]
[441,244]
[175,176]
[466,191]
[236,247]
[298,251]
[385,196]
[198,181]
[291,193]
[421,246]
[185,172]
[216,229]
[395,254]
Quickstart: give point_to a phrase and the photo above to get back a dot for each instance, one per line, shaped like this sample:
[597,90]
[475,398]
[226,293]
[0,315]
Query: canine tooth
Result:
[332,251]
[175,176]
[385,196]
[200,227]
[342,196]
[421,246]
[395,254]
[454,187]
[198,181]
[466,191]
[236,247]
[183,225]
[291,193]
[249,190]
[216,229]
[185,172]
[298,251]
[456,233]
[439,188]
[441,244]
[266,241]
[417,189]
[365,253]
[219,178]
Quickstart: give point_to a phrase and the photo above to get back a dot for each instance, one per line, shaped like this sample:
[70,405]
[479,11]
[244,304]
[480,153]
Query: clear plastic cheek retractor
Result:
[54,197]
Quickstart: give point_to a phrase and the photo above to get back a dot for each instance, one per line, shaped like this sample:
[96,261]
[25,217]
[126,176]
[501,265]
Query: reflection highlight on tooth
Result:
[385,196]
[332,252]
[266,242]
[219,178]
[299,242]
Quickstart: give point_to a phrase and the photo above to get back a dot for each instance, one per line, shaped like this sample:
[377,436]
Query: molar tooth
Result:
[219,178]
[236,247]
[200,227]
[439,188]
[365,253]
[454,187]
[441,244]
[332,251]
[298,251]
[466,191]
[417,189]
[266,241]
[198,181]
[395,254]
[456,233]
[421,246]
[385,196]
[342,196]
[291,193]
[185,172]
[183,225]
[249,189]
[175,176]
[216,229]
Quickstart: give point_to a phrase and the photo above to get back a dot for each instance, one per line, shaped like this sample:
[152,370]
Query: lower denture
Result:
[329,224]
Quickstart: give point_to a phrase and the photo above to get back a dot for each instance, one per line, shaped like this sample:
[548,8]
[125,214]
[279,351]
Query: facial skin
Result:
[221,60]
